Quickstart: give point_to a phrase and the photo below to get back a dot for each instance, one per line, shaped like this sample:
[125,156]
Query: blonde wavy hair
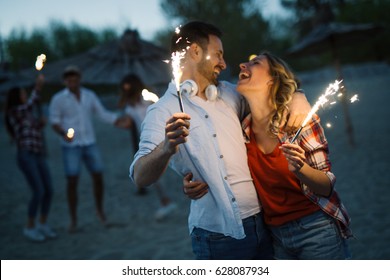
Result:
[282,89]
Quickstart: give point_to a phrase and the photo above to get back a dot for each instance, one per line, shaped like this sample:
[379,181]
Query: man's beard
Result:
[207,71]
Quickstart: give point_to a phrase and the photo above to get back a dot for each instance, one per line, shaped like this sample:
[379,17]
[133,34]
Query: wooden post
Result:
[344,99]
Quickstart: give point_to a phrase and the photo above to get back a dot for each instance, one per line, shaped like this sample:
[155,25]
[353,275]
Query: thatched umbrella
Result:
[108,63]
[332,37]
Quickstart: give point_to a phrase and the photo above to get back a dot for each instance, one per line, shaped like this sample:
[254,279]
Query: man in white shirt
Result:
[227,222]
[70,114]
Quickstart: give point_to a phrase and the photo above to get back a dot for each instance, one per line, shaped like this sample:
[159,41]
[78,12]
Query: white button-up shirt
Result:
[218,210]
[68,112]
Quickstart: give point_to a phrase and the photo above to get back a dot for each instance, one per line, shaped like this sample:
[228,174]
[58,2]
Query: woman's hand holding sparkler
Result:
[315,179]
[176,132]
[295,156]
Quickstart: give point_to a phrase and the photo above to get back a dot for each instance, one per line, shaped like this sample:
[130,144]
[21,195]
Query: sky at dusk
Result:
[144,15]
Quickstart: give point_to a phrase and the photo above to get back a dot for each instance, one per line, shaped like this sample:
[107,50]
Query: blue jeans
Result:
[257,244]
[313,237]
[36,172]
[73,156]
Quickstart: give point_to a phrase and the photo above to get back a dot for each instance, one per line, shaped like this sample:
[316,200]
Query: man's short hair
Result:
[194,32]
[71,70]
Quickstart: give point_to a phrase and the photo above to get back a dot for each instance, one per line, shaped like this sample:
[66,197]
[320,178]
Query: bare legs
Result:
[72,201]
[98,191]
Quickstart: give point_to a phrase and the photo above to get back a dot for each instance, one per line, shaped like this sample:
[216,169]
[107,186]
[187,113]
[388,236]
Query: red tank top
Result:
[278,188]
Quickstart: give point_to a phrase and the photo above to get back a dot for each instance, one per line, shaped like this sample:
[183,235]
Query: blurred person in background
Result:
[135,106]
[25,127]
[70,114]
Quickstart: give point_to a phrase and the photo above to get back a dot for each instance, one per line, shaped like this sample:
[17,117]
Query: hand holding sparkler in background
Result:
[39,82]
[39,63]
[70,133]
[68,136]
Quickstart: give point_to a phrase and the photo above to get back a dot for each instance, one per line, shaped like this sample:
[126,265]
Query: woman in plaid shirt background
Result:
[26,129]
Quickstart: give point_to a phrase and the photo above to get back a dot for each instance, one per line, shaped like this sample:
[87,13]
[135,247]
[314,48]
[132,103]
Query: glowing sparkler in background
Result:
[332,89]
[70,133]
[149,96]
[40,62]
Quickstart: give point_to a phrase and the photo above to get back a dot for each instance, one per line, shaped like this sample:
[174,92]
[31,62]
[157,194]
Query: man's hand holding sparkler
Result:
[149,168]
[176,132]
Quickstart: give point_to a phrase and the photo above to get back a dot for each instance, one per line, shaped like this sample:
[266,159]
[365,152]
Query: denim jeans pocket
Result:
[316,220]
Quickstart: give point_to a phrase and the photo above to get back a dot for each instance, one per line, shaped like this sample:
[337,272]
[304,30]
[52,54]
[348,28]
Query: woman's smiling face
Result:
[254,75]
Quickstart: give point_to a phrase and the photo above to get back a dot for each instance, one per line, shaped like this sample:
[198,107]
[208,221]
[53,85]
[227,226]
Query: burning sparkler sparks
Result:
[40,62]
[149,96]
[70,133]
[177,73]
[332,89]
[177,69]
[354,98]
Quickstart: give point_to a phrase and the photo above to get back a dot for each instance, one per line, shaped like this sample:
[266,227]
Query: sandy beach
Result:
[363,182]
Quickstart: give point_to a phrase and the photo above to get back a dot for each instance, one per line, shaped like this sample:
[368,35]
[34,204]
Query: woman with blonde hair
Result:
[294,181]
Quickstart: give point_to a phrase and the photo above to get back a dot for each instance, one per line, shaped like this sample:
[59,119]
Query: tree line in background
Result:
[245,30]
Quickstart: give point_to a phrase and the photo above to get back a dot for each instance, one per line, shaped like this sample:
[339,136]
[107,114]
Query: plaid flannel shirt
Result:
[28,129]
[313,142]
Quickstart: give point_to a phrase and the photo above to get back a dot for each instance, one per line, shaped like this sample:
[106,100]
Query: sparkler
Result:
[70,133]
[40,62]
[177,69]
[177,73]
[332,89]
[354,98]
[149,96]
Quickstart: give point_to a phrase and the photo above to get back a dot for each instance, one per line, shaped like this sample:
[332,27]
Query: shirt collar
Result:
[172,88]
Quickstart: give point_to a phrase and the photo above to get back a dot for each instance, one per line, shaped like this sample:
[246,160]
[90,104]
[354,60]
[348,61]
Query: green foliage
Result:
[57,41]
[244,30]
[23,48]
[309,13]
[363,11]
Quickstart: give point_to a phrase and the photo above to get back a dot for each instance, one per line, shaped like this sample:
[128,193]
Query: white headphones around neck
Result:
[191,88]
